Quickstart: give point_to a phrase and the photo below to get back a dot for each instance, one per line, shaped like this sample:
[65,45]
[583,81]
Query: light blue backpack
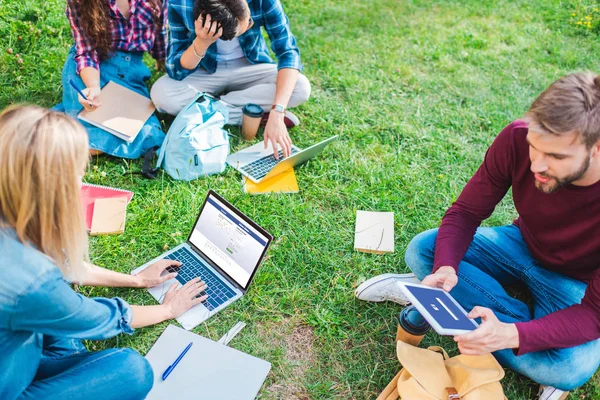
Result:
[196,144]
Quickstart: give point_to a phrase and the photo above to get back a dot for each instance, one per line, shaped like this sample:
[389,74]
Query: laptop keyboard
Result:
[259,168]
[191,267]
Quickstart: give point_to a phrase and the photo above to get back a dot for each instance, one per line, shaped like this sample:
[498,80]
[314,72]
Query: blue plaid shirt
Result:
[267,13]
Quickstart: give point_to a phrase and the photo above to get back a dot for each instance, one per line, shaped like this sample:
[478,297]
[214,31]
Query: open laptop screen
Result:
[229,240]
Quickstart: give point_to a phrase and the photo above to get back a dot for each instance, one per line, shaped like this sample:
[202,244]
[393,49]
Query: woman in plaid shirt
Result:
[111,37]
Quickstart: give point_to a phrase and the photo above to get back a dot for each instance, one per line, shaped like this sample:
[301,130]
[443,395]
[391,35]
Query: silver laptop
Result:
[258,164]
[224,249]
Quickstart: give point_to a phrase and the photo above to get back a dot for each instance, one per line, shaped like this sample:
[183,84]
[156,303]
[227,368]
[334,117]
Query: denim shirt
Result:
[35,301]
[265,13]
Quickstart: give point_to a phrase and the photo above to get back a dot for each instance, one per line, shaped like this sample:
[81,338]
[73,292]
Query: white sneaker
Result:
[384,287]
[550,393]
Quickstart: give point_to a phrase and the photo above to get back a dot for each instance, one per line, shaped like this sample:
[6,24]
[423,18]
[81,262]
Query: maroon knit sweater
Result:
[561,230]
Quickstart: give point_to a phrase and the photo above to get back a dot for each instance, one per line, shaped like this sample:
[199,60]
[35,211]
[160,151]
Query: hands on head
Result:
[207,31]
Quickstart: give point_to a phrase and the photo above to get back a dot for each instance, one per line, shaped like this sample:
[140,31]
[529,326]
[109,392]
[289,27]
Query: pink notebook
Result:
[89,194]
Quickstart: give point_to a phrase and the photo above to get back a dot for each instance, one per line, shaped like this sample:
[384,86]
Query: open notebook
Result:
[123,112]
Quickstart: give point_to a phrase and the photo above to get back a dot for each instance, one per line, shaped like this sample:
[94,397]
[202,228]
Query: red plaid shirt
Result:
[137,33]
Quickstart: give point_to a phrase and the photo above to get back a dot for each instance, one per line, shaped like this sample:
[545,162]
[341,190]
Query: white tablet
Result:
[438,308]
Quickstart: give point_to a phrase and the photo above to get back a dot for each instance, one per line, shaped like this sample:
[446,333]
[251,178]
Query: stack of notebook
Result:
[104,208]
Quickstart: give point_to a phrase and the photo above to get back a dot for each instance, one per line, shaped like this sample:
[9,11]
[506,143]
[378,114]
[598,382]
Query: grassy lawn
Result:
[417,90]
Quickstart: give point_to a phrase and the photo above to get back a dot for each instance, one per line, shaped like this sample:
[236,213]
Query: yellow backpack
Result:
[429,374]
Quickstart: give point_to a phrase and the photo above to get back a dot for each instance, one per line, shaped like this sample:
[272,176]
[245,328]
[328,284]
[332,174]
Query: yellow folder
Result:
[283,183]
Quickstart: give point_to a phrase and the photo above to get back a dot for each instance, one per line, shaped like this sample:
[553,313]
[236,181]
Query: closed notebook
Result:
[89,193]
[283,183]
[374,232]
[208,371]
[123,112]
[109,216]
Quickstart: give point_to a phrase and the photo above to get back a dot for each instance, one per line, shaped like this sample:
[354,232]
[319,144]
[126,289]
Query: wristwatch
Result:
[279,108]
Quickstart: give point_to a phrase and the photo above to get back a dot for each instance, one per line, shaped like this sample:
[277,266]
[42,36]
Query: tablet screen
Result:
[441,307]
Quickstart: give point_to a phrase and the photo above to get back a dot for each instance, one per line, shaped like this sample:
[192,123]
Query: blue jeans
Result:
[497,257]
[68,371]
[127,69]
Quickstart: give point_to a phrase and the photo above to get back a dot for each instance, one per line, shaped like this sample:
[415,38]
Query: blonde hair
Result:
[43,155]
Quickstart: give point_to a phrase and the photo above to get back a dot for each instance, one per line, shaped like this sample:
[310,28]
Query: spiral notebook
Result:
[90,193]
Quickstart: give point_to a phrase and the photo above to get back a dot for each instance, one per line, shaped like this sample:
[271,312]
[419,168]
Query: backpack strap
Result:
[391,390]
[147,171]
[440,350]
[162,152]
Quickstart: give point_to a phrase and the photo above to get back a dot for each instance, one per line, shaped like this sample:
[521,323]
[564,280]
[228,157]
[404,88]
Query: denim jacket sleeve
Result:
[52,307]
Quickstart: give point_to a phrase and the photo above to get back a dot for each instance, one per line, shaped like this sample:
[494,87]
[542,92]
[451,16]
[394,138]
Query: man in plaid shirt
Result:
[216,46]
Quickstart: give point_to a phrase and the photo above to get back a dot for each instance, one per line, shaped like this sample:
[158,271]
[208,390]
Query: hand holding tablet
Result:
[439,308]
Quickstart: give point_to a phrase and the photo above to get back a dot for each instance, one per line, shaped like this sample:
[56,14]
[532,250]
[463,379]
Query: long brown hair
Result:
[94,18]
[43,155]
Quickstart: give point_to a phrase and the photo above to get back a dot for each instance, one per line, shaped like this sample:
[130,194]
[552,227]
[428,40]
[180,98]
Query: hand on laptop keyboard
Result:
[218,292]
[178,301]
[157,273]
[276,132]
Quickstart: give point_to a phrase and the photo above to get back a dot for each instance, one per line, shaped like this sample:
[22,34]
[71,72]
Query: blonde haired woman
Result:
[43,244]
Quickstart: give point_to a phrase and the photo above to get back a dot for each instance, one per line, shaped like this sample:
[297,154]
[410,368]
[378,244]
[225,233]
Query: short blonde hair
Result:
[43,155]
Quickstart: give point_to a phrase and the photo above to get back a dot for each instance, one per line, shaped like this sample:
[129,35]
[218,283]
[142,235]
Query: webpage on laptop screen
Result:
[228,240]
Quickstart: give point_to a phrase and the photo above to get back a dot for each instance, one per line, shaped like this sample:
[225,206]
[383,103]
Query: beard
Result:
[558,183]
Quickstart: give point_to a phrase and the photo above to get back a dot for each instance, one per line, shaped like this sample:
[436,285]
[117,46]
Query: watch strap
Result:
[278,107]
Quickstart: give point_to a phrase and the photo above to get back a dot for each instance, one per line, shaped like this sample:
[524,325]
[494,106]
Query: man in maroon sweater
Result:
[551,159]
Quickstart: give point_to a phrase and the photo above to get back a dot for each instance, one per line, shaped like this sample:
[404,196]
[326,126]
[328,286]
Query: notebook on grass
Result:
[209,370]
[89,193]
[283,183]
[109,216]
[374,232]
[123,112]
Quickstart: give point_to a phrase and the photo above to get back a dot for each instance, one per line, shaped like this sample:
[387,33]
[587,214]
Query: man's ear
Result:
[596,149]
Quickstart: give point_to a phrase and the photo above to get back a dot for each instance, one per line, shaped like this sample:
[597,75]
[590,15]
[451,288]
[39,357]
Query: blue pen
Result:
[172,366]
[76,88]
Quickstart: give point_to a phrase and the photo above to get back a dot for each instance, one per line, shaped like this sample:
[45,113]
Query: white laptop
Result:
[224,249]
[258,164]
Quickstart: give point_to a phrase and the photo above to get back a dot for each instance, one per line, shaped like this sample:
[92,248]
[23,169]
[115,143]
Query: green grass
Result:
[416,89]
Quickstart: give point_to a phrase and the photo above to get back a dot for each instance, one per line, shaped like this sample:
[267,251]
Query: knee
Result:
[162,96]
[419,253]
[302,90]
[571,367]
[578,370]
[139,373]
